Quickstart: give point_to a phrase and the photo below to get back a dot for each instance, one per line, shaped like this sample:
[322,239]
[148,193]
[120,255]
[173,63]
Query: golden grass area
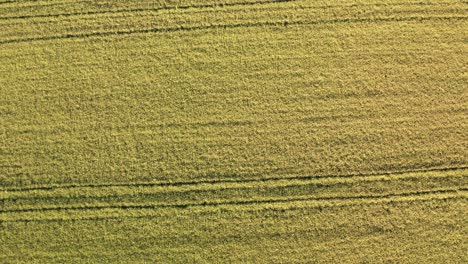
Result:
[234,131]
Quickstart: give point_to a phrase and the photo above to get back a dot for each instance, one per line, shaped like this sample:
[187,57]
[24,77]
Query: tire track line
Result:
[213,189]
[232,26]
[157,9]
[233,202]
[16,1]
[223,181]
[352,202]
[214,5]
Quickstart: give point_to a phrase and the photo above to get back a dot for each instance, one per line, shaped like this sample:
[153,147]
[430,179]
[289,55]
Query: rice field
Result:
[234,131]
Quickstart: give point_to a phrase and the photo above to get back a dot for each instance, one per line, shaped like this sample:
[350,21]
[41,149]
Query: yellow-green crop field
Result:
[233,131]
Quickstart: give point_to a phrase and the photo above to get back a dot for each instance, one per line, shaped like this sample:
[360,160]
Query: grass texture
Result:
[233,131]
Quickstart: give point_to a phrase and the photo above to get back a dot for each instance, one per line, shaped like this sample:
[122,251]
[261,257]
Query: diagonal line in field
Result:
[229,26]
[213,5]
[350,201]
[221,181]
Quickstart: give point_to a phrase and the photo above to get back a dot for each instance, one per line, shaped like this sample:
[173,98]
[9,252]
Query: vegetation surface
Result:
[234,131]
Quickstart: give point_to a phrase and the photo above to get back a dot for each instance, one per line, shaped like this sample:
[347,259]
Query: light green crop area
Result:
[234,131]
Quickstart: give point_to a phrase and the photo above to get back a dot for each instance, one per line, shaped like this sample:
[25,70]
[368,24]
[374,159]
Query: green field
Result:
[233,131]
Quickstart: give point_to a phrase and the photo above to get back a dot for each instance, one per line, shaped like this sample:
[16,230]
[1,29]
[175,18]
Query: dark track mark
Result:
[202,7]
[241,202]
[10,166]
[228,26]
[221,181]
[119,218]
[150,195]
[149,9]
[15,1]
[146,195]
